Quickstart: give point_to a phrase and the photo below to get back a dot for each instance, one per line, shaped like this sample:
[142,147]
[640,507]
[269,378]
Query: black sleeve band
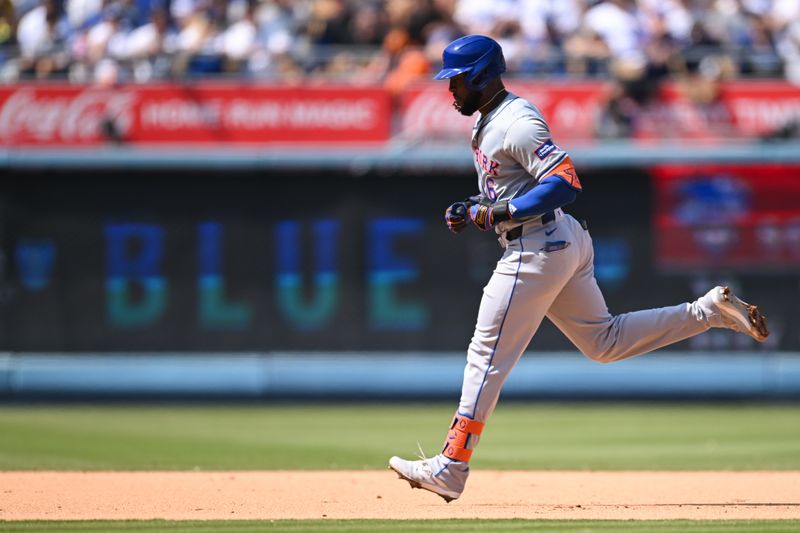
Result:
[500,212]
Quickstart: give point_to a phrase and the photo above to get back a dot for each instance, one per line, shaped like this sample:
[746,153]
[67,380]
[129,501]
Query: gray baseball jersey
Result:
[513,151]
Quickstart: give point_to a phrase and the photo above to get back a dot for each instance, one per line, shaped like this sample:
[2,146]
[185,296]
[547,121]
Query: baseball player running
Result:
[525,179]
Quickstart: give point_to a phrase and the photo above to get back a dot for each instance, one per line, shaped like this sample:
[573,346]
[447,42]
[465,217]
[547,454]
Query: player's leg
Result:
[512,308]
[580,312]
[514,302]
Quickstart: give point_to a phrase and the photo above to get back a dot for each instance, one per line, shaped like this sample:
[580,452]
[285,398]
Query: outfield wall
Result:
[389,376]
[291,282]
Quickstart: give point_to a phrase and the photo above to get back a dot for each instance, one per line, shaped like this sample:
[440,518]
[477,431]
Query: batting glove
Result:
[456,217]
[486,216]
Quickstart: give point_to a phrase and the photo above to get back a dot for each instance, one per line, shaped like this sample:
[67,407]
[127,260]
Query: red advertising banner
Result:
[203,113]
[739,109]
[762,107]
[727,216]
[570,108]
[578,111]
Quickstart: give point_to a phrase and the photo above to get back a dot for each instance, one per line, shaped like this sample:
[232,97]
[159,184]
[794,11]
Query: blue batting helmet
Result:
[477,55]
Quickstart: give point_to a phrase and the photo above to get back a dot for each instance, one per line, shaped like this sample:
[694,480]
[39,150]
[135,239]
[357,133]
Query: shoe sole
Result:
[755,324]
[418,485]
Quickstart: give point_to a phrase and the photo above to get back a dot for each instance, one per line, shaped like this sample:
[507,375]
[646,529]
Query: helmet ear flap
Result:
[476,82]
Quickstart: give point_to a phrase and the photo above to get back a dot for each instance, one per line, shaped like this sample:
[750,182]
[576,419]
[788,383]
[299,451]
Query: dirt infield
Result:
[370,494]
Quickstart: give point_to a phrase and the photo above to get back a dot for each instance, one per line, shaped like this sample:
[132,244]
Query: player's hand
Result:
[486,216]
[456,217]
[481,216]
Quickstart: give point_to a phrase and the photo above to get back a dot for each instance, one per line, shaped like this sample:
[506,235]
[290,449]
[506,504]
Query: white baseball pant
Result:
[530,283]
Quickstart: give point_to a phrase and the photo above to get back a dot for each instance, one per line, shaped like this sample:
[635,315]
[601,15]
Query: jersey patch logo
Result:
[545,149]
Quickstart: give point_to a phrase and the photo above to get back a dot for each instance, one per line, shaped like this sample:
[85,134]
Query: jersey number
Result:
[489,189]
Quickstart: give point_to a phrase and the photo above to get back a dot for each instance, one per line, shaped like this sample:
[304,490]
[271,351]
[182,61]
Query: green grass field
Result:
[519,436]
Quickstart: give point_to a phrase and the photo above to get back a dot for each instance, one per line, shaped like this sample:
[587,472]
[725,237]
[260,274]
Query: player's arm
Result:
[550,193]
[529,143]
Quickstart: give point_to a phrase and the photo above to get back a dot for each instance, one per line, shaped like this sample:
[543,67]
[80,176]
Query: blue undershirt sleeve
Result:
[550,193]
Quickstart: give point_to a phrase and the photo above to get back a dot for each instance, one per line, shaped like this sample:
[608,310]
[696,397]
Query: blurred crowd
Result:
[392,42]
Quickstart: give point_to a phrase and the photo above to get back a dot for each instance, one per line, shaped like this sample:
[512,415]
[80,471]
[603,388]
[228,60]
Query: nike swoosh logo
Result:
[548,233]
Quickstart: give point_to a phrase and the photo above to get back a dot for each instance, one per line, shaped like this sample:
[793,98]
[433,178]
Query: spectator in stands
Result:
[181,9]
[363,41]
[484,17]
[544,26]
[785,23]
[238,41]
[101,42]
[621,24]
[617,118]
[368,25]
[705,51]
[498,19]
[429,25]
[106,38]
[43,35]
[329,22]
[673,18]
[278,41]
[403,60]
[196,53]
[148,47]
[415,16]
[439,34]
[8,41]
[761,57]
[8,28]
[586,53]
[83,14]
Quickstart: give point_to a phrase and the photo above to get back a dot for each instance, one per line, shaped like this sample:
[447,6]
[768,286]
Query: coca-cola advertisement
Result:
[206,113]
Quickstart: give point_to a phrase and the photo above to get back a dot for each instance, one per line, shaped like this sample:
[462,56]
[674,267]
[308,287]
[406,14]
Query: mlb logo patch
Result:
[545,149]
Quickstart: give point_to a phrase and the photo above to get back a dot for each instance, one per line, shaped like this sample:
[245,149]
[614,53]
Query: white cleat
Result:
[738,315]
[430,475]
